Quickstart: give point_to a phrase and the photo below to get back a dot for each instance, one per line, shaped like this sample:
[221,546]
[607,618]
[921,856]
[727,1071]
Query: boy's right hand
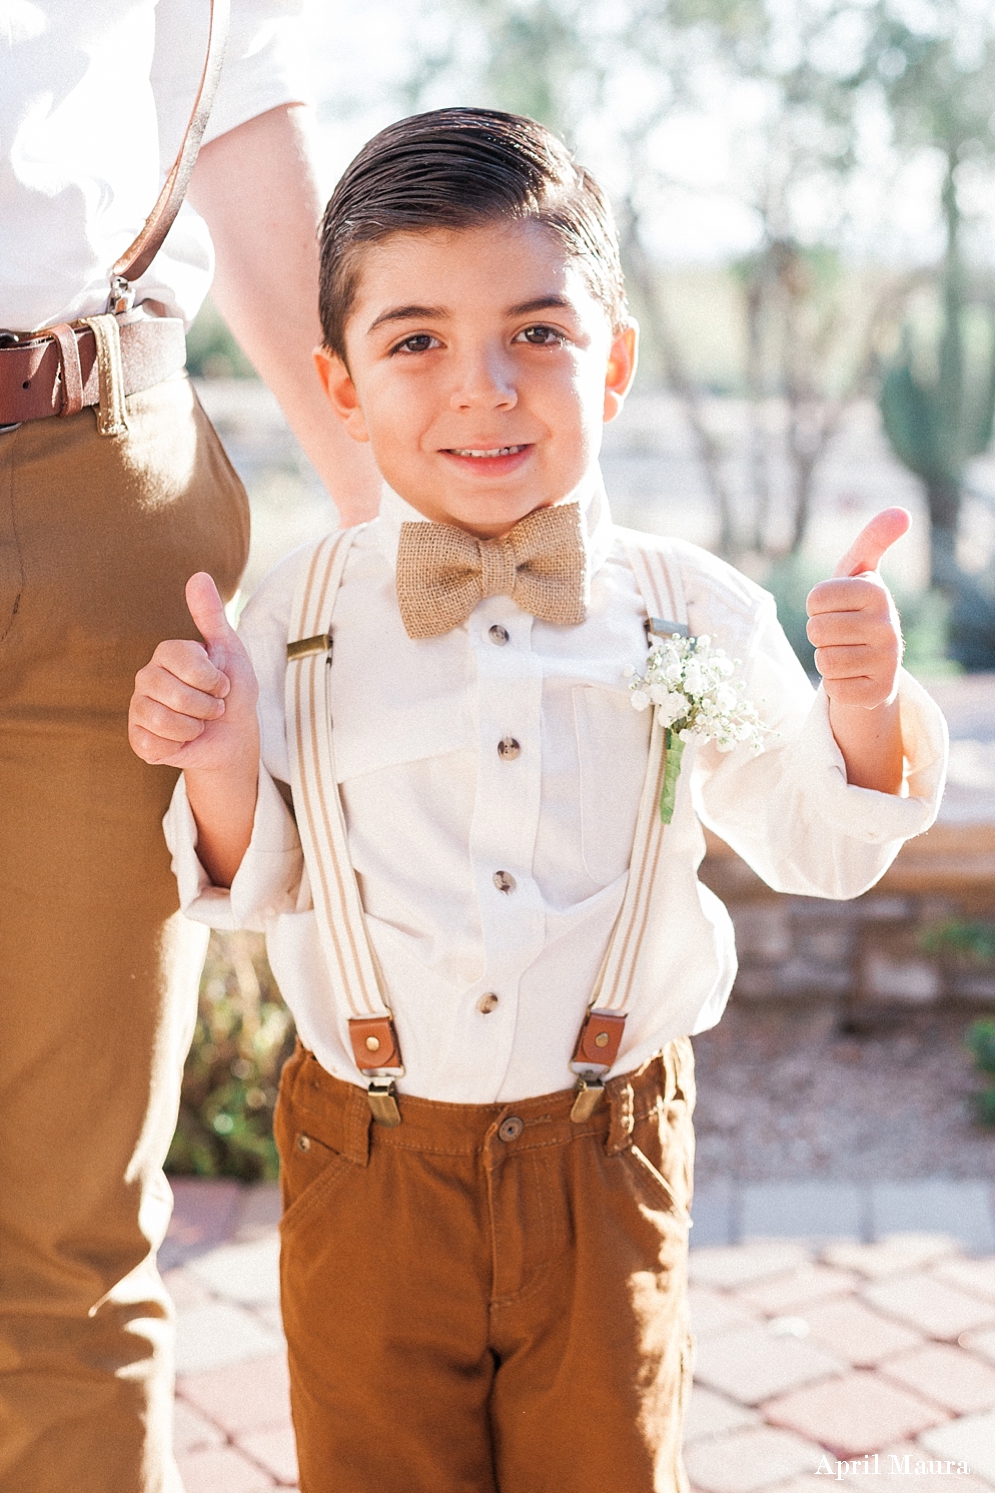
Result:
[194,704]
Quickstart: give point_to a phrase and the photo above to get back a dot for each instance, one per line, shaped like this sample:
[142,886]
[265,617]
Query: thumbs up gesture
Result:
[194,704]
[853,621]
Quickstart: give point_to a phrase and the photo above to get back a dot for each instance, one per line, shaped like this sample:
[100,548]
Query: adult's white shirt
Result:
[433,810]
[94,98]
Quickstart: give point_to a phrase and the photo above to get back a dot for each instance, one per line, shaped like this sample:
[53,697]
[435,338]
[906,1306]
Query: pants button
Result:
[511,1128]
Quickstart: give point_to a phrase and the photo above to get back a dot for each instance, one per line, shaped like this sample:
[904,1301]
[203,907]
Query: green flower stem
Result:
[674,748]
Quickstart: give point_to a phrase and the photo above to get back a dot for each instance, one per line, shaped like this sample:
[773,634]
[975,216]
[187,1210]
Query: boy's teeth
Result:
[498,451]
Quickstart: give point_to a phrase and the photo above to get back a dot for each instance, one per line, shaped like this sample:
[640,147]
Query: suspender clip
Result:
[598,1041]
[383,1101]
[589,1092]
[122,295]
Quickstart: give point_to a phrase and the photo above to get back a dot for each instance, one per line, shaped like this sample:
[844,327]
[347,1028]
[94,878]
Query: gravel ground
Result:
[784,1095]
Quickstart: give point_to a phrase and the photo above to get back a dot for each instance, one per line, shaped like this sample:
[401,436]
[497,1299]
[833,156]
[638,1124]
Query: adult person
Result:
[104,512]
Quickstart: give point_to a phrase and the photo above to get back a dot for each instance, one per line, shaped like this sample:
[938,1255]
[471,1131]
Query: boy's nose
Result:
[484,382]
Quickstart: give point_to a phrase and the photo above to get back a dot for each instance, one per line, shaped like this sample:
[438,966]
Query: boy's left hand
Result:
[853,621]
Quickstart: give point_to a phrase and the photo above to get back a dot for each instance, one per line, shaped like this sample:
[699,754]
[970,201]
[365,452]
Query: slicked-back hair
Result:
[460,168]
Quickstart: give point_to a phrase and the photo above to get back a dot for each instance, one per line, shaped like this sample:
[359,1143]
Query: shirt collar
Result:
[598,526]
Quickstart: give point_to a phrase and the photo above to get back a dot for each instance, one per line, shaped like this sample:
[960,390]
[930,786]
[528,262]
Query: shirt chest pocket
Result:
[612,751]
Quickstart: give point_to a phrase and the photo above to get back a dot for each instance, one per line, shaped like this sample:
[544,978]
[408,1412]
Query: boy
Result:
[485,1226]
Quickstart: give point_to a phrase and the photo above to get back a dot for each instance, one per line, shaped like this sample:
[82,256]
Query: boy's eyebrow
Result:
[408,313]
[550,302]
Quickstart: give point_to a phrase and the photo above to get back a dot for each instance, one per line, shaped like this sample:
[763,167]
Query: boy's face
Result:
[481,370]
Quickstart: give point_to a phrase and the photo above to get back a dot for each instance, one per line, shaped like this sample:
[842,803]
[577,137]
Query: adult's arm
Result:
[255,188]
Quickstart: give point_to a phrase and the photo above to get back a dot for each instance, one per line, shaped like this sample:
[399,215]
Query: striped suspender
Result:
[320,822]
[601,1031]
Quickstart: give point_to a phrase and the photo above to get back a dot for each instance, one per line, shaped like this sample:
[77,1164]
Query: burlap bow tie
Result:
[442,572]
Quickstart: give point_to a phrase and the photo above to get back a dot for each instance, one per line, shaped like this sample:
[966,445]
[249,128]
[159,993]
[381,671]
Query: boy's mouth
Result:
[491,455]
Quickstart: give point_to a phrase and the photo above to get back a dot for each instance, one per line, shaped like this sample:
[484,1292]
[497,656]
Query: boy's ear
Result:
[340,391]
[621,368]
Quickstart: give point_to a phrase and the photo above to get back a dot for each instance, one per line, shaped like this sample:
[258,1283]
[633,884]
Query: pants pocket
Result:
[309,1172]
[660,1156]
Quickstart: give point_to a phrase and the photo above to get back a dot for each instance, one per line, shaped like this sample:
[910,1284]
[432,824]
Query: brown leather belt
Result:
[39,376]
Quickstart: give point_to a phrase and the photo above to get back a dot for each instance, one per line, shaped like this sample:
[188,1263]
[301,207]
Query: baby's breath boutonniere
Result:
[688,682]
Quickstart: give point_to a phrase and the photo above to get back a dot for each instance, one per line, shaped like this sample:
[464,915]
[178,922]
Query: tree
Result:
[609,79]
[938,396]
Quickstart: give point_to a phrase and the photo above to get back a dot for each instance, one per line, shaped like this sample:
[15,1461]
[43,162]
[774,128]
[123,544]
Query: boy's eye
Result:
[541,336]
[421,342]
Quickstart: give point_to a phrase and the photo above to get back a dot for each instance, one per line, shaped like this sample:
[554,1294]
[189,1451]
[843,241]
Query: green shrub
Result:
[970,941]
[244,1034]
[980,1039]
[967,940]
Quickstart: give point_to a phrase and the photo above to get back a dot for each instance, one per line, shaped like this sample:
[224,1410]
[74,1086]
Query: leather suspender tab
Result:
[374,1043]
[599,1039]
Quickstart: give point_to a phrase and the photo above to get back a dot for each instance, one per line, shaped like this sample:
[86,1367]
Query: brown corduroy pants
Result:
[98,976]
[488,1297]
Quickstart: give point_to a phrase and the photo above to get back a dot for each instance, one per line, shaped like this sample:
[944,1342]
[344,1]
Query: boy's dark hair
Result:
[456,168]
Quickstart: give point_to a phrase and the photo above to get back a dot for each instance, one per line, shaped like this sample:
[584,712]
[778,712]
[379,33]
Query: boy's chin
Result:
[489,521]
[486,516]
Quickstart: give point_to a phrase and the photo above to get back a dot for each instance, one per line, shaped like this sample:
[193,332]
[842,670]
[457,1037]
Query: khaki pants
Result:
[97,1001]
[488,1296]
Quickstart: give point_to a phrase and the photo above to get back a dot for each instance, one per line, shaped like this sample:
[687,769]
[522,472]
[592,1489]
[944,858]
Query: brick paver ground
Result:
[833,1359]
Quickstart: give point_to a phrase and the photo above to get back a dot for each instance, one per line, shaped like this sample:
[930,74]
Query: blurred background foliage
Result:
[243,1037]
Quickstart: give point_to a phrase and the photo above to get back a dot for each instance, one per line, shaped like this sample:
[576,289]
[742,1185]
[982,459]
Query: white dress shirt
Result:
[94,99]
[488,987]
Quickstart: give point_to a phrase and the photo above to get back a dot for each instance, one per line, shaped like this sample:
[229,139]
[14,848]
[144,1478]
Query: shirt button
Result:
[508,749]
[511,1128]
[504,881]
[486,1003]
[498,635]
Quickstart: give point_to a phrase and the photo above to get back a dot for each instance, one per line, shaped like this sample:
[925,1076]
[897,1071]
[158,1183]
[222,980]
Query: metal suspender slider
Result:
[303,647]
[660,627]
[597,1047]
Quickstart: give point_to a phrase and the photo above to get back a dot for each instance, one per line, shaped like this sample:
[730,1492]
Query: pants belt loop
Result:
[357,1123]
[111,417]
[69,368]
[621,1106]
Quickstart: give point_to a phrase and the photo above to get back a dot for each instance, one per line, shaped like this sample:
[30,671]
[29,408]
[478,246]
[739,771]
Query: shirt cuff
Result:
[266,883]
[863,813]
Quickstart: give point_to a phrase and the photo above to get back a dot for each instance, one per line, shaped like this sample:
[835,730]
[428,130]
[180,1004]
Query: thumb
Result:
[208,613]
[874,538]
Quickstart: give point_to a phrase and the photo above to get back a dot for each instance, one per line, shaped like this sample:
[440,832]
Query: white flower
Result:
[685,681]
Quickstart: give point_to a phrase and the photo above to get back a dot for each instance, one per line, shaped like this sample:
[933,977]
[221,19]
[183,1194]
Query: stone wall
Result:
[867,951]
